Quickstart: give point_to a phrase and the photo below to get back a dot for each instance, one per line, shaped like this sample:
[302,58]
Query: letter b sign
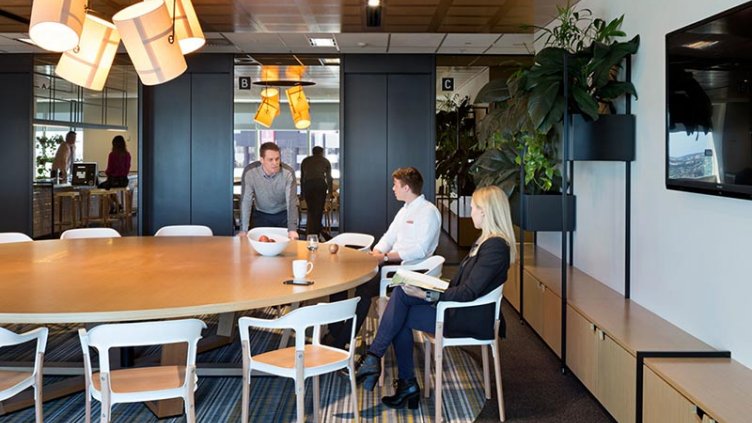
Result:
[244,83]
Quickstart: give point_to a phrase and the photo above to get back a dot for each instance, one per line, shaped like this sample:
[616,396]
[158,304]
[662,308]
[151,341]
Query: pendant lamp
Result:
[56,25]
[146,28]
[269,73]
[266,113]
[187,28]
[299,107]
[273,100]
[295,73]
[89,64]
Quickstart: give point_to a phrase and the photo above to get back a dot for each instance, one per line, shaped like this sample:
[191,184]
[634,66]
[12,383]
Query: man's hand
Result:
[293,235]
[414,291]
[379,255]
[242,234]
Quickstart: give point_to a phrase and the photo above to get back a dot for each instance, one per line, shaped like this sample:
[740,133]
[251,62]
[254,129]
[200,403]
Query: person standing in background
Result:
[118,165]
[62,166]
[315,183]
[270,186]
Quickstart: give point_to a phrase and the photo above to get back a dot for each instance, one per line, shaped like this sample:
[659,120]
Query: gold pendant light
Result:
[299,108]
[266,112]
[89,64]
[187,28]
[146,29]
[56,25]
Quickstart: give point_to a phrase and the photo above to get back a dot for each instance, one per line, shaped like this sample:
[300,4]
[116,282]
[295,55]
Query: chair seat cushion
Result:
[142,379]
[10,379]
[314,356]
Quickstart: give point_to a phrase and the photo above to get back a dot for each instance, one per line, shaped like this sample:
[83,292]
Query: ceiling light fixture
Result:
[89,63]
[146,29]
[373,13]
[299,108]
[269,107]
[322,42]
[187,28]
[56,25]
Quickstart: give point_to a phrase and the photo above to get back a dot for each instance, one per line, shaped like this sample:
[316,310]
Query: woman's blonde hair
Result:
[498,219]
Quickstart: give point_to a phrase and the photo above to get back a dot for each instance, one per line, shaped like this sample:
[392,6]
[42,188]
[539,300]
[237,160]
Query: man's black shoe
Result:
[406,393]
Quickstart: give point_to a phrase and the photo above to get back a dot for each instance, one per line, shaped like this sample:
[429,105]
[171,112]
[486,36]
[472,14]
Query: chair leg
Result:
[245,403]
[299,387]
[497,370]
[353,391]
[381,308]
[427,369]
[189,399]
[87,405]
[316,399]
[439,359]
[486,371]
[38,402]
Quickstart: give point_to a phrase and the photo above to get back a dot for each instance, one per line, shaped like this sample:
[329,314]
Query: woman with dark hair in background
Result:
[118,165]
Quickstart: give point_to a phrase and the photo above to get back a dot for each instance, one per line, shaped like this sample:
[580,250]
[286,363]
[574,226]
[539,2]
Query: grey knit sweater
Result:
[269,194]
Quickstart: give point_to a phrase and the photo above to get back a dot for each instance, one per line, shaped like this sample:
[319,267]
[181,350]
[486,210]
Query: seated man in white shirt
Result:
[413,235]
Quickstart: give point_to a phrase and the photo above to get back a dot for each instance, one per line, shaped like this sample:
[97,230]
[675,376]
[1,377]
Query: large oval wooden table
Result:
[142,278]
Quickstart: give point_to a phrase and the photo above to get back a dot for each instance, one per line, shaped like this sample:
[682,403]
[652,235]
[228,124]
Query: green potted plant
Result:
[456,145]
[45,148]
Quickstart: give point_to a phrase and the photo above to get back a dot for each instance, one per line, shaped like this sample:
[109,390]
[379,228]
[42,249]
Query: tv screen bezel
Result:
[708,188]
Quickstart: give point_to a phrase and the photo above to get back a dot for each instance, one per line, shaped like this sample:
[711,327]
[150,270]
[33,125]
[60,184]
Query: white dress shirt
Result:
[414,232]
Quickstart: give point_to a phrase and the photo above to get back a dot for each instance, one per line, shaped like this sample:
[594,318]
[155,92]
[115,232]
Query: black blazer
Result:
[478,275]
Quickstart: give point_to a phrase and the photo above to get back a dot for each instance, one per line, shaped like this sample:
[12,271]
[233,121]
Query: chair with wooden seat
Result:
[184,230]
[10,237]
[67,210]
[140,384]
[356,240]
[440,342]
[90,233]
[303,360]
[13,382]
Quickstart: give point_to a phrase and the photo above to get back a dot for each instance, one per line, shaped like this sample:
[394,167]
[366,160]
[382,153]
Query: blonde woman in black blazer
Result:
[482,271]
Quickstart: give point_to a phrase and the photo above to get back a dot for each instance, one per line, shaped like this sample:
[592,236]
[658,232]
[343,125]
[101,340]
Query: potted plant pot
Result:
[610,138]
[543,213]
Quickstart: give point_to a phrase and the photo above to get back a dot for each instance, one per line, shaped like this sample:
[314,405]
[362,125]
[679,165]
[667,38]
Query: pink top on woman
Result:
[118,165]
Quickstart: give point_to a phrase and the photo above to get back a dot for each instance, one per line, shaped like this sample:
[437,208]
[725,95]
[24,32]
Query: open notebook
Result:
[408,277]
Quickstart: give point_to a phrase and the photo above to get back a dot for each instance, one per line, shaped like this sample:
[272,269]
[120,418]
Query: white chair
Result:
[13,382]
[301,361]
[431,266]
[142,383]
[184,230]
[353,239]
[440,342]
[9,237]
[90,233]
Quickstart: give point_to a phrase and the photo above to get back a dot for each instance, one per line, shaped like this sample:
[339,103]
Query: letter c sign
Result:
[447,84]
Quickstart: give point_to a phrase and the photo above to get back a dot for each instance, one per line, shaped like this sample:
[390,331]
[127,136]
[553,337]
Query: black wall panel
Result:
[365,181]
[187,147]
[17,157]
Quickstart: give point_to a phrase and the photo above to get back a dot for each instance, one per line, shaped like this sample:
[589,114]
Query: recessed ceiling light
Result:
[330,60]
[699,45]
[374,3]
[322,42]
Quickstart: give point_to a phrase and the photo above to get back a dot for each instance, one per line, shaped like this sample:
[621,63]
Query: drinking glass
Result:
[313,242]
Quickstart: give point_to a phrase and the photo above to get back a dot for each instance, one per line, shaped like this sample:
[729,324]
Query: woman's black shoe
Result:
[368,370]
[406,392]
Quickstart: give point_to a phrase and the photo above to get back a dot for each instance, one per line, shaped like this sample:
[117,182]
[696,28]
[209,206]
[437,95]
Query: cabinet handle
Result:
[592,326]
[601,335]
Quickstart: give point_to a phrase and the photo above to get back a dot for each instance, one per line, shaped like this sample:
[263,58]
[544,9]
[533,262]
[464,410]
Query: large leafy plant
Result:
[456,144]
[46,148]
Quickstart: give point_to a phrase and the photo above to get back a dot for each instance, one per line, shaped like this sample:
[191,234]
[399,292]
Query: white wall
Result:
[98,142]
[691,261]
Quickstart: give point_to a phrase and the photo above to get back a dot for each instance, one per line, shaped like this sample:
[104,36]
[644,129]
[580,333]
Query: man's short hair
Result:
[411,177]
[268,146]
[318,150]
[69,134]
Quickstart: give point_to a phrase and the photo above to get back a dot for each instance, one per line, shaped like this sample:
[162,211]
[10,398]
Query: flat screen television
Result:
[709,105]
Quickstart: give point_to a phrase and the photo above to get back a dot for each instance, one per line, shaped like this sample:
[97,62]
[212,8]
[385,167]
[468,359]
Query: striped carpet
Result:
[272,398]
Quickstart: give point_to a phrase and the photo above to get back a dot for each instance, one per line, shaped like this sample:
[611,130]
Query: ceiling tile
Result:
[470,40]
[415,40]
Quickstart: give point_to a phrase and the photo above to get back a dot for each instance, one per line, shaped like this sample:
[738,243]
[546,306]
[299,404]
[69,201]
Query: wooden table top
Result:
[137,278]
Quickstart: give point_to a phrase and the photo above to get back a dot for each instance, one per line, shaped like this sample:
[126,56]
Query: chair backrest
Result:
[353,239]
[267,230]
[493,297]
[104,337]
[9,237]
[8,338]
[90,233]
[301,319]
[184,230]
[432,266]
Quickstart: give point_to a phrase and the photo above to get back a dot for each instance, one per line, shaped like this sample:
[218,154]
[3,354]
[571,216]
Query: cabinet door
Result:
[582,348]
[533,301]
[662,403]
[552,320]
[615,388]
[512,286]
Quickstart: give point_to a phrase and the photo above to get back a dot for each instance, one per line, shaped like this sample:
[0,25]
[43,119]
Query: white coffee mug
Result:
[300,268]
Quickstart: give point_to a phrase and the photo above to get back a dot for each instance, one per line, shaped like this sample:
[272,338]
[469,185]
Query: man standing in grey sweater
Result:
[271,187]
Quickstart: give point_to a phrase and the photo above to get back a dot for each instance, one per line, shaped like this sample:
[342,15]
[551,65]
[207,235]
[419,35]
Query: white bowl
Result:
[267,248]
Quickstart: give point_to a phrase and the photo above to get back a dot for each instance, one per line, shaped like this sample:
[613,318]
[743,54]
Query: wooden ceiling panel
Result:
[465,20]
[408,20]
[409,11]
[472,11]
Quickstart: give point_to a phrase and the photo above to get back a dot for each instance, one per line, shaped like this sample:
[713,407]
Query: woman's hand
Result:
[414,291]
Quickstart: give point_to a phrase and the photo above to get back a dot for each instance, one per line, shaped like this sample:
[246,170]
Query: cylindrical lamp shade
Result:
[56,25]
[146,28]
[269,73]
[295,73]
[266,113]
[273,101]
[302,118]
[187,28]
[270,92]
[89,64]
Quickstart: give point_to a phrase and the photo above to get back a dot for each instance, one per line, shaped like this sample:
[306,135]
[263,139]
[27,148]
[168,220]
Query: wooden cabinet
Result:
[662,403]
[512,286]
[603,366]
[543,311]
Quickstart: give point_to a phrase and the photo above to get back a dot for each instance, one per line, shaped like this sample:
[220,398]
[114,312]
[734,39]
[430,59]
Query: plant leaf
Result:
[585,102]
[541,100]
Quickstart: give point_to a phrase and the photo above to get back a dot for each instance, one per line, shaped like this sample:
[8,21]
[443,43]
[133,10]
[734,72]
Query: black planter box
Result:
[542,213]
[610,138]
